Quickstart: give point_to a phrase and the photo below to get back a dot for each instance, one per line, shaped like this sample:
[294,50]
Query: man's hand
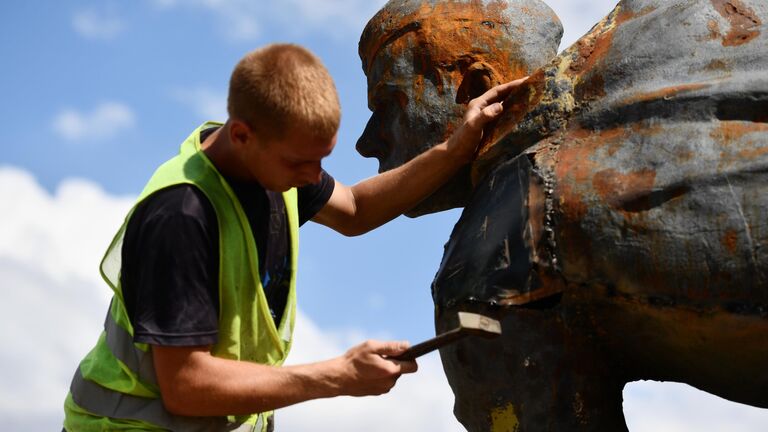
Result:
[480,111]
[195,383]
[365,369]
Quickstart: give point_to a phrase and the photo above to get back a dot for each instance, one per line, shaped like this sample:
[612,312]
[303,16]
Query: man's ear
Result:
[238,132]
[478,79]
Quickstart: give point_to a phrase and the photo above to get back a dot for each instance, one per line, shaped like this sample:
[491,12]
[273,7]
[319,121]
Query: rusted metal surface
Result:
[618,223]
[656,160]
[426,59]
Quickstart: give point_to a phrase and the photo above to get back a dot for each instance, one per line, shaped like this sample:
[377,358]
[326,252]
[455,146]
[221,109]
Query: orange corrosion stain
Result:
[664,93]
[626,14]
[717,65]
[616,188]
[590,51]
[732,132]
[434,34]
[575,166]
[591,88]
[730,240]
[753,153]
[745,24]
[714,30]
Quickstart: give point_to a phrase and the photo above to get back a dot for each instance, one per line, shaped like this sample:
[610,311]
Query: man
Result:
[203,270]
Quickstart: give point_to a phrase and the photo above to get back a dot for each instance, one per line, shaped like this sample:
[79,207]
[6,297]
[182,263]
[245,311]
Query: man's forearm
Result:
[209,386]
[195,383]
[386,196]
[377,200]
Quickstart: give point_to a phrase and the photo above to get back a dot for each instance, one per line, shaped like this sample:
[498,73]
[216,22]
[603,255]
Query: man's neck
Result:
[220,150]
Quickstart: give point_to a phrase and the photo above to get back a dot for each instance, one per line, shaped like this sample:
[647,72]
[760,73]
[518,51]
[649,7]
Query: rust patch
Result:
[717,66]
[590,50]
[516,106]
[474,29]
[626,14]
[590,89]
[753,153]
[714,30]
[745,24]
[575,167]
[730,240]
[616,188]
[740,141]
[732,132]
[664,93]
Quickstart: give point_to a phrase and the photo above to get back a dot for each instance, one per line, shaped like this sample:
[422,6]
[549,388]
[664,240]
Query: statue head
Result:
[426,59]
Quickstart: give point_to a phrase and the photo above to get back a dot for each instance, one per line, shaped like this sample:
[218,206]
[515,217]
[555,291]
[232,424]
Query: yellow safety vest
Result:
[115,387]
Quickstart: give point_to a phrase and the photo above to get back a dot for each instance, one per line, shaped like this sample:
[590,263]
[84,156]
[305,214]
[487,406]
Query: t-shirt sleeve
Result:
[312,198]
[170,269]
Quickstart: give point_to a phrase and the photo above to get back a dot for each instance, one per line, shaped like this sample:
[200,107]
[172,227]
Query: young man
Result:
[204,268]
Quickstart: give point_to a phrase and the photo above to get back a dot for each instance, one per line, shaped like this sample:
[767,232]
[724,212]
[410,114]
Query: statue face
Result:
[424,63]
[412,110]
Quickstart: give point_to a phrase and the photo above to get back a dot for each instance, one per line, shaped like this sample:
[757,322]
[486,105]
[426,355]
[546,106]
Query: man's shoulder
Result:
[173,202]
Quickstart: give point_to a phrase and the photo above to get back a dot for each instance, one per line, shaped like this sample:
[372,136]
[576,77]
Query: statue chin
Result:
[455,193]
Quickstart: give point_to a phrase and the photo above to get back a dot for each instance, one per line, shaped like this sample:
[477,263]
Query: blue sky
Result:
[96,94]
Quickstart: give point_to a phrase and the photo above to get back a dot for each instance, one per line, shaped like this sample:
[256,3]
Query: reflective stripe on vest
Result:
[107,403]
[120,342]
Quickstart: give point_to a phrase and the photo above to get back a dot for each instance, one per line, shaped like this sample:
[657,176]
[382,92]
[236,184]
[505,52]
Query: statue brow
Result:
[386,39]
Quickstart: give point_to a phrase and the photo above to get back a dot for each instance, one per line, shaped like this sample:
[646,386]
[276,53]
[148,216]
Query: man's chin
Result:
[278,188]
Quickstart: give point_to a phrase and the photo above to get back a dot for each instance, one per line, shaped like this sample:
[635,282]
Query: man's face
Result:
[293,161]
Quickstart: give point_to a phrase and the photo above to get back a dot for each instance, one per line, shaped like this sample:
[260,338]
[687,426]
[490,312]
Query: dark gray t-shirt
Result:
[170,258]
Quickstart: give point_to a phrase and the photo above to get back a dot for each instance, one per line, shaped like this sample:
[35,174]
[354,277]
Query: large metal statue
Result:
[616,217]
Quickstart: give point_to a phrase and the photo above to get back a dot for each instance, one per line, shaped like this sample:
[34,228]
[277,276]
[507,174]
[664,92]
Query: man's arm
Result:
[195,383]
[373,202]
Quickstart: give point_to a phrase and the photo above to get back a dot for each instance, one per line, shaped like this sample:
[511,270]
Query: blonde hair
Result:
[283,86]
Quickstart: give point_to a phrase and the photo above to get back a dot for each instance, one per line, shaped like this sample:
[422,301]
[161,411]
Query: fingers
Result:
[369,371]
[389,349]
[477,122]
[500,92]
[392,349]
[407,367]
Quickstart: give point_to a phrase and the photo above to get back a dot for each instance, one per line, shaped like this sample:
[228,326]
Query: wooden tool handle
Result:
[430,345]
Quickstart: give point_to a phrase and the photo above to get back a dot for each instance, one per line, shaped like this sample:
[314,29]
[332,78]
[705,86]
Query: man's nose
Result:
[314,174]
[371,144]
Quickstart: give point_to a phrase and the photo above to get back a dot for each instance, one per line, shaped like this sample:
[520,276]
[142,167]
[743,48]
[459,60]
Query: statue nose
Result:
[371,144]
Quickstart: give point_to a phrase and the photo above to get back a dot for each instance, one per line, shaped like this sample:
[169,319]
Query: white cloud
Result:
[673,407]
[206,103]
[94,25]
[106,121]
[53,303]
[51,298]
